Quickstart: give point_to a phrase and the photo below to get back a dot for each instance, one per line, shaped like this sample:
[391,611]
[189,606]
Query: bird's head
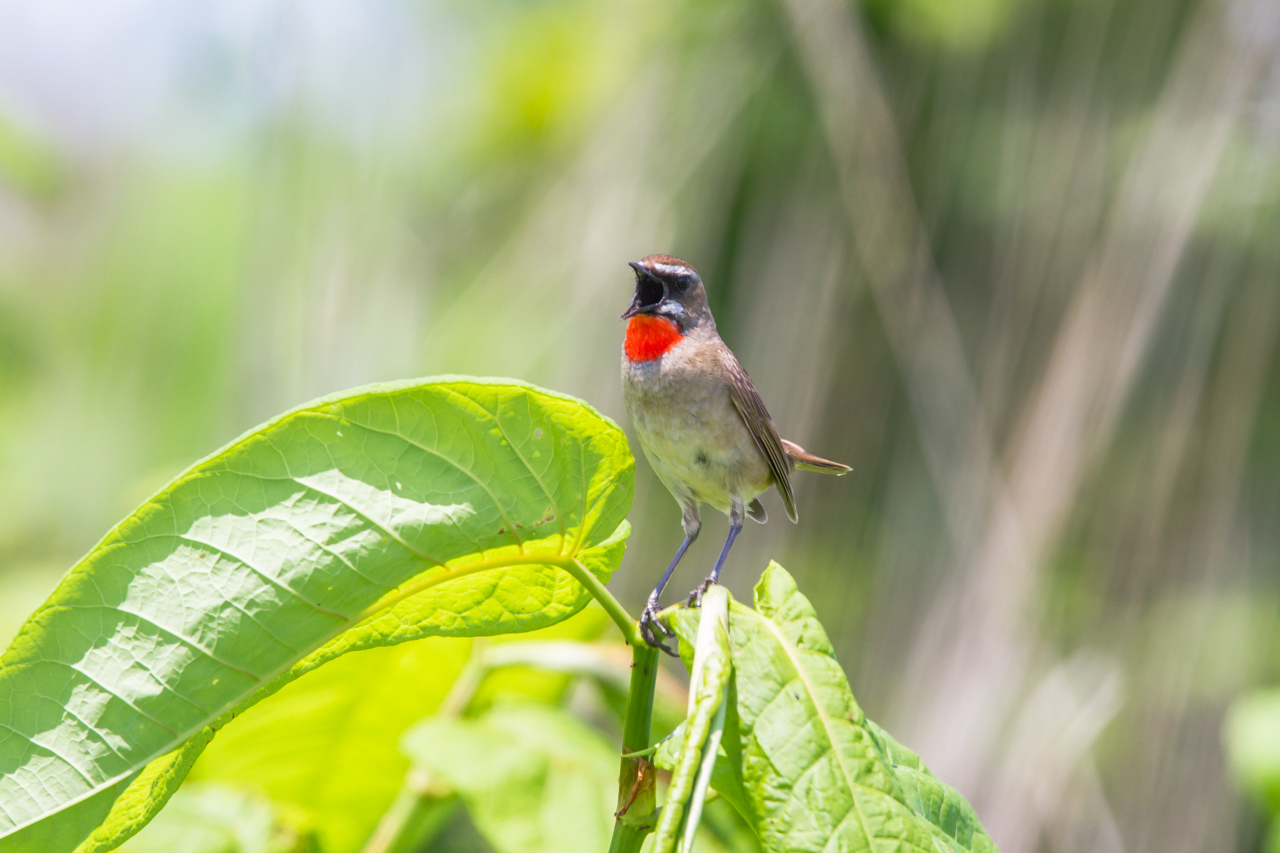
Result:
[668,287]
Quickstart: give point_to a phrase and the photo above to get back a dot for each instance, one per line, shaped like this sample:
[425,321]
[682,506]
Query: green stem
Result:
[628,626]
[466,684]
[417,813]
[637,799]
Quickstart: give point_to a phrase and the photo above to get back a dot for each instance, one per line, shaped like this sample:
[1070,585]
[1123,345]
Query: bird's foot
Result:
[695,595]
[648,620]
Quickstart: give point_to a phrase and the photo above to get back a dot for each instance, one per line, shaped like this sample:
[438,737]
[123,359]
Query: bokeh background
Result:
[1015,261]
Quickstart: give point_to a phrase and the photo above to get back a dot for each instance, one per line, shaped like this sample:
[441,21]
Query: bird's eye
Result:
[682,283]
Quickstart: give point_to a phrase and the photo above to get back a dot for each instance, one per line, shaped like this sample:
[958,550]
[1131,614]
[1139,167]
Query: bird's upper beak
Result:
[650,291]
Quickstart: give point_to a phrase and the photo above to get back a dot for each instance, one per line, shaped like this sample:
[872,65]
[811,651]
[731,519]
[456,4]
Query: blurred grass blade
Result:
[801,762]
[452,507]
[709,677]
[534,778]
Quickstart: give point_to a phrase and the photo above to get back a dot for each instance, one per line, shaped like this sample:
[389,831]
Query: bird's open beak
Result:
[650,291]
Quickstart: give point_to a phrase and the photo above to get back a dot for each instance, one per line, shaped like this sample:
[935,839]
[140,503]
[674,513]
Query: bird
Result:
[699,418]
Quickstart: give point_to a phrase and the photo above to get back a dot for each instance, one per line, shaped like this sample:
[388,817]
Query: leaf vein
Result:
[337,555]
[51,751]
[390,533]
[509,526]
[187,641]
[251,567]
[555,505]
[793,656]
[141,712]
[91,727]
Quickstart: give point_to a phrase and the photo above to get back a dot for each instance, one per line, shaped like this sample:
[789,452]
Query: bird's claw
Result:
[695,595]
[648,619]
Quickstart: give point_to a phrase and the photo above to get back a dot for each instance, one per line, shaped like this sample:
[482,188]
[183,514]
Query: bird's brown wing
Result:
[746,399]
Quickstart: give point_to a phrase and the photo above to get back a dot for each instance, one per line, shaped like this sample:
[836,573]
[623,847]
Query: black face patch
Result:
[702,459]
[648,291]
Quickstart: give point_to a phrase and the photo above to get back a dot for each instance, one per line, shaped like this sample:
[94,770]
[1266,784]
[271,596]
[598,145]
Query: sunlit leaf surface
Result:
[800,760]
[446,507]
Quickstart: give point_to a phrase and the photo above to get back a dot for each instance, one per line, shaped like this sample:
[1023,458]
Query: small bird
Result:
[700,420]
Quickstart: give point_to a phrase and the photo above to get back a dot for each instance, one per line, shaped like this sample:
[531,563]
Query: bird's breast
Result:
[688,426]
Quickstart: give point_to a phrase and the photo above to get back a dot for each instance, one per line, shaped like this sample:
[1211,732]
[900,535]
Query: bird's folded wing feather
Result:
[746,399]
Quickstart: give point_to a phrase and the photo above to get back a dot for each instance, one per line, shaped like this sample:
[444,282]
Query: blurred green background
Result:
[1015,261]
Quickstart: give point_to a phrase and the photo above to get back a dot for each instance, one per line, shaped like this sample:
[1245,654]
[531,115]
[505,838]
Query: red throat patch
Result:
[650,337]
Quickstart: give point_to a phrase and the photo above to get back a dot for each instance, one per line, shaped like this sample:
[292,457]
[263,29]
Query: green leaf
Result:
[449,507]
[929,797]
[534,778]
[1251,733]
[703,728]
[329,744]
[214,819]
[723,829]
[149,792]
[800,761]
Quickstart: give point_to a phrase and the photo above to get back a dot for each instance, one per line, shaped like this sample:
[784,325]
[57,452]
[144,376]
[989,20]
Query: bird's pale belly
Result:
[694,437]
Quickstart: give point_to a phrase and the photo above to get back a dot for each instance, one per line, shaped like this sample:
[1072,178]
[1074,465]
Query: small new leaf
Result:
[691,771]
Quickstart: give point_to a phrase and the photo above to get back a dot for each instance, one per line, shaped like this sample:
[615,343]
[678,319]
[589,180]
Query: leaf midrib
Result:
[793,656]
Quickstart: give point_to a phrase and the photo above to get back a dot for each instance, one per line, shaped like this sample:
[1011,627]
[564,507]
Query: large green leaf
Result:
[535,778]
[328,745]
[452,507]
[800,760]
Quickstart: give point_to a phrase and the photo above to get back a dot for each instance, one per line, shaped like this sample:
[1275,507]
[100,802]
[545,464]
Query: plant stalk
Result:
[637,798]
[628,626]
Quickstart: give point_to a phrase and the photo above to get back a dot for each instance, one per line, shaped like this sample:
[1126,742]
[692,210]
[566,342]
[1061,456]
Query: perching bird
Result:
[699,419]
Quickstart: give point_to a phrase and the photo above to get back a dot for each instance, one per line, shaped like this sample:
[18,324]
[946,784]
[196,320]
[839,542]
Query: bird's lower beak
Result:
[649,292]
[635,309]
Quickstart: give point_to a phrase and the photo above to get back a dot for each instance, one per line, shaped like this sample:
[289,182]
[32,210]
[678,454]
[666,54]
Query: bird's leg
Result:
[649,617]
[736,515]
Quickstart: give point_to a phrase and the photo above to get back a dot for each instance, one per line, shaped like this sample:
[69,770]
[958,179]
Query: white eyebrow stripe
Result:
[673,269]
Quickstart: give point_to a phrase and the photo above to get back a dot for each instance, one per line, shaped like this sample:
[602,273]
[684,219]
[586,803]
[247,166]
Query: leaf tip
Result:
[775,586]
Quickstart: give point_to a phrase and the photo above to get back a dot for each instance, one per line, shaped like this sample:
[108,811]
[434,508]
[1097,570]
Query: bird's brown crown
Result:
[653,261]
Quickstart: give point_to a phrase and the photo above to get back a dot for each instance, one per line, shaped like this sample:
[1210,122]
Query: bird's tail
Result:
[806,461]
